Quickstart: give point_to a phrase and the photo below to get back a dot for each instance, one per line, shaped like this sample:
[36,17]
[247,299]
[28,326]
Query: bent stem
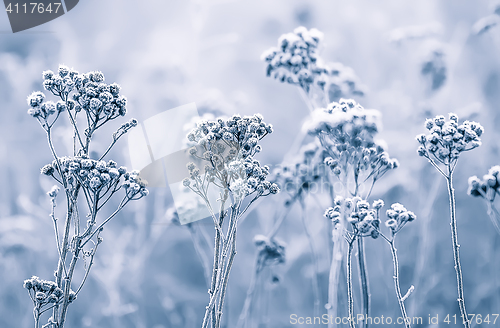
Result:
[363,280]
[456,246]
[396,283]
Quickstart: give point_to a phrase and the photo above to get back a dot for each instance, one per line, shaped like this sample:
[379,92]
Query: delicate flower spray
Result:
[296,61]
[488,188]
[84,180]
[365,222]
[225,150]
[347,133]
[446,140]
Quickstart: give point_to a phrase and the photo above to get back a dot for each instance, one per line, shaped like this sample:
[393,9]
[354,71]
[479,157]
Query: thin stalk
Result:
[349,282]
[315,284]
[36,315]
[245,312]
[201,249]
[337,254]
[67,287]
[226,277]
[456,246]
[363,280]
[396,283]
[334,277]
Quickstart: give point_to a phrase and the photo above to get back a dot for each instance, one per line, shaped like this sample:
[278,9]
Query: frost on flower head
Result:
[447,139]
[488,186]
[45,291]
[226,148]
[99,177]
[306,172]
[364,219]
[296,61]
[347,131]
[398,216]
[79,93]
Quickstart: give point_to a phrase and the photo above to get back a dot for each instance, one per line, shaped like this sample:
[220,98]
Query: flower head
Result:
[447,139]
[398,216]
[296,61]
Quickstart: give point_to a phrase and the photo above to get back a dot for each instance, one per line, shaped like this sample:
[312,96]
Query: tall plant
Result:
[442,147]
[88,103]
[224,151]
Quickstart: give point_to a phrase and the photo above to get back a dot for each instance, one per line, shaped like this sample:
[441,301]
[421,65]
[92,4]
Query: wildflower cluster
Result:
[346,131]
[94,180]
[93,95]
[305,171]
[44,292]
[296,61]
[364,219]
[78,92]
[398,217]
[97,177]
[447,139]
[227,147]
[43,109]
[487,187]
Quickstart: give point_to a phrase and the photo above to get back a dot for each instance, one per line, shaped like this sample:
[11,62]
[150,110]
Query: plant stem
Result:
[396,283]
[36,315]
[226,277]
[334,277]
[363,280]
[315,284]
[456,246]
[67,285]
[349,282]
[245,312]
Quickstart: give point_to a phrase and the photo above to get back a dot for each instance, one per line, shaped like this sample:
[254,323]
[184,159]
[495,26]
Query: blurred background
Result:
[415,59]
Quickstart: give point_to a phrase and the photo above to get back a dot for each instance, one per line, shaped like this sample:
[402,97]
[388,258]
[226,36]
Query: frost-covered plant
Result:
[270,252]
[94,181]
[398,217]
[227,147]
[487,188]
[347,133]
[296,61]
[442,147]
[363,221]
